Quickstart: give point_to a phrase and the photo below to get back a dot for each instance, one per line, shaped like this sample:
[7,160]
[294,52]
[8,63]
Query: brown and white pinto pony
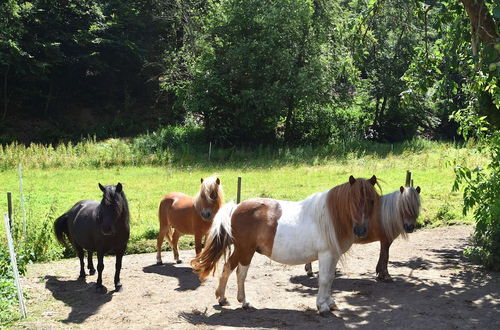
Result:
[321,227]
[182,214]
[398,216]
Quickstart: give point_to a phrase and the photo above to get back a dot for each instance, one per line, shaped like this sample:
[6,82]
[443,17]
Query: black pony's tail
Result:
[61,229]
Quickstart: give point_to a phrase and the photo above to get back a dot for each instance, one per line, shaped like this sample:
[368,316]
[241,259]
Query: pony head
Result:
[363,201]
[210,198]
[112,207]
[409,207]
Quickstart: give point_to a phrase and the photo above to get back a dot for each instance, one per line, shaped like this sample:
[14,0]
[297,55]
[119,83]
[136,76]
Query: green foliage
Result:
[482,192]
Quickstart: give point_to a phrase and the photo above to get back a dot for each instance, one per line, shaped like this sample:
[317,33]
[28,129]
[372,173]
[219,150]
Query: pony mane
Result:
[342,202]
[117,201]
[392,205]
[208,187]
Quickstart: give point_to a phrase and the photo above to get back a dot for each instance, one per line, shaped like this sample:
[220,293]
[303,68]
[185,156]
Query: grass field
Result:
[50,192]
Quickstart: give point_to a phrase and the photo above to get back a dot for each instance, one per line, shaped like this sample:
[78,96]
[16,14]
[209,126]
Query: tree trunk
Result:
[482,23]
[377,105]
[288,120]
[47,101]
[382,108]
[5,96]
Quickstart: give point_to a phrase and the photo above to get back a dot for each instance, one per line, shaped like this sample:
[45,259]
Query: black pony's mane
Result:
[116,200]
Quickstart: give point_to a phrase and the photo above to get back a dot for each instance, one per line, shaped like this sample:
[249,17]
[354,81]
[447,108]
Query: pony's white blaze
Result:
[304,229]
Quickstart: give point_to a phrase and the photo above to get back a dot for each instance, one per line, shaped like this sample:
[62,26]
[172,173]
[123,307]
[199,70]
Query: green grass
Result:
[50,192]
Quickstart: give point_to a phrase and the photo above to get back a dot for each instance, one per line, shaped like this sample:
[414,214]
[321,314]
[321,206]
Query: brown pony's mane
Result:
[210,191]
[343,201]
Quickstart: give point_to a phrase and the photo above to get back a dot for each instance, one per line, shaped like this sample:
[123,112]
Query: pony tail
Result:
[61,229]
[218,243]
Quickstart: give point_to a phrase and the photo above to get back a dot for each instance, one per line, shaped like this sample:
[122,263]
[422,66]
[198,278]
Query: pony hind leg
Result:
[175,240]
[241,274]
[309,270]
[80,253]
[159,242]
[229,266]
[90,264]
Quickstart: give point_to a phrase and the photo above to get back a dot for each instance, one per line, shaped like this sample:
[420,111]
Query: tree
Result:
[260,64]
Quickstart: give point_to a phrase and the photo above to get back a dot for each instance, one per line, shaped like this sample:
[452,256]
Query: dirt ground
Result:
[434,288]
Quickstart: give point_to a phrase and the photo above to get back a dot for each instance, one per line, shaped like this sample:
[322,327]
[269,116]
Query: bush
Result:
[482,197]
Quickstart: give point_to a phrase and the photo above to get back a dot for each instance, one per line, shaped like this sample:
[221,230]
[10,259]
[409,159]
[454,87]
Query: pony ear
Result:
[101,187]
[217,181]
[201,180]
[373,180]
[119,187]
[418,189]
[401,189]
[352,180]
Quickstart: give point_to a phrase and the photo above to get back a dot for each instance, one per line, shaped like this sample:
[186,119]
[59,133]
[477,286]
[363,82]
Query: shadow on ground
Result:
[79,295]
[184,274]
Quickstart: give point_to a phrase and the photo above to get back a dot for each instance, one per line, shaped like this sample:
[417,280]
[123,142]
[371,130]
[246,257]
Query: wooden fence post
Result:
[238,194]
[9,207]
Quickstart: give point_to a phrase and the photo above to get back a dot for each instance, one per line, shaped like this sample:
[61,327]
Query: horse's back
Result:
[82,223]
[178,210]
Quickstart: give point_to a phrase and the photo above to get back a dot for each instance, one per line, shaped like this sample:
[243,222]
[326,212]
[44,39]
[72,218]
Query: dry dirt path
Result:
[434,288]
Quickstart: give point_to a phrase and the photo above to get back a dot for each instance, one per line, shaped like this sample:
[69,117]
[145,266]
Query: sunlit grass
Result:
[52,191]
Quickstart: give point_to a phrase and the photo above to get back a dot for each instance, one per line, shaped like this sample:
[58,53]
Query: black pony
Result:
[97,227]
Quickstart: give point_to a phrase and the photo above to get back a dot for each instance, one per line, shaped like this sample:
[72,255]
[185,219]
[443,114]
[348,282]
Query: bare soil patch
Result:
[434,287]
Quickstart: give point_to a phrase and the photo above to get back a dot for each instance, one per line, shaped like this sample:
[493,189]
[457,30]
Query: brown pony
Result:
[397,216]
[321,227]
[181,214]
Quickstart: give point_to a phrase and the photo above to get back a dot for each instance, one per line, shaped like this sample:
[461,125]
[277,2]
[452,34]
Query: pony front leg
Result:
[326,274]
[118,267]
[241,274]
[382,272]
[100,267]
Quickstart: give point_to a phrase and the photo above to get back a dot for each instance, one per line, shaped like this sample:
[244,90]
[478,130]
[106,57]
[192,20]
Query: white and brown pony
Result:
[397,216]
[182,214]
[321,227]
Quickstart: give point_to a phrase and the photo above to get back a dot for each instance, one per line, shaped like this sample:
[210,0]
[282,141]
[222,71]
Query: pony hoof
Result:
[159,263]
[82,277]
[118,288]
[385,279]
[101,289]
[325,313]
[333,307]
[247,306]
[223,302]
[92,272]
[310,274]
[179,261]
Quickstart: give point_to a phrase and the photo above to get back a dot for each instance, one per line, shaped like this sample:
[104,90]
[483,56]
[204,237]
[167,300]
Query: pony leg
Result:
[229,266]
[79,251]
[159,241]
[382,272]
[309,269]
[118,268]
[197,244]
[100,267]
[327,265]
[241,274]
[175,239]
[90,264]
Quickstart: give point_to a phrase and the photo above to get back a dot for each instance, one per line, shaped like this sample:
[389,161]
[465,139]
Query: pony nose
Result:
[106,230]
[206,214]
[409,228]
[360,231]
